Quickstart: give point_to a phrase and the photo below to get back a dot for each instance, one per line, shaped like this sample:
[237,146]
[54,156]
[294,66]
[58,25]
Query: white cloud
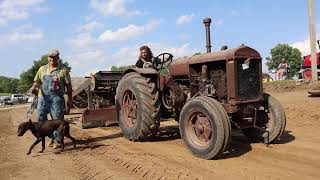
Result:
[126,56]
[90,26]
[113,8]
[87,54]
[304,46]
[184,19]
[85,40]
[17,9]
[218,22]
[24,33]
[86,62]
[81,41]
[126,33]
[25,36]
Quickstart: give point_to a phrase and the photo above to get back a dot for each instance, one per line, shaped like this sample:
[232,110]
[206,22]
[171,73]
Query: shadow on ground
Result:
[91,142]
[286,137]
[238,145]
[167,133]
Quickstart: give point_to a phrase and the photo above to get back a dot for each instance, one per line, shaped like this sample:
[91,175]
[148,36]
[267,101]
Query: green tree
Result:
[198,53]
[26,77]
[121,68]
[8,85]
[284,51]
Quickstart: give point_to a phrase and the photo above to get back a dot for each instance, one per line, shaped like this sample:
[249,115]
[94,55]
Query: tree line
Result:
[8,85]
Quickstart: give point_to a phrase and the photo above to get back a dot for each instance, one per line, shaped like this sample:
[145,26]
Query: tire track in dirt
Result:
[88,167]
[140,165]
[88,161]
[155,172]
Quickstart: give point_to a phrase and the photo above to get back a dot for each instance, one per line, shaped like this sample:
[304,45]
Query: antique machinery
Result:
[97,95]
[207,93]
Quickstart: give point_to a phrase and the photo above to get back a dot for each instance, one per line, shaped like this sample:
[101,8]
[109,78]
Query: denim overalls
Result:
[51,101]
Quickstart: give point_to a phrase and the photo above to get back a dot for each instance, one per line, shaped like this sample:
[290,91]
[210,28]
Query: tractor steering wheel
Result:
[162,61]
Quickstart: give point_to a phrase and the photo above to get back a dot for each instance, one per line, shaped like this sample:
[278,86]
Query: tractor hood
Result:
[180,67]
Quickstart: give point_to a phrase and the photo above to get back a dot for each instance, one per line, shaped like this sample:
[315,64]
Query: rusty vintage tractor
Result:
[208,94]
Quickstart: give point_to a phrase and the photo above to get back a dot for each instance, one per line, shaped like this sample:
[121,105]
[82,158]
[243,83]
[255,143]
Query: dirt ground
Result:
[103,153]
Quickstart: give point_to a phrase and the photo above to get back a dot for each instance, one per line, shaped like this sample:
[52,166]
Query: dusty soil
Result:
[103,153]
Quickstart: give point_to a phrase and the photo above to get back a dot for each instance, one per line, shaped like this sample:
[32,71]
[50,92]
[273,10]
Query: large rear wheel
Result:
[138,107]
[204,127]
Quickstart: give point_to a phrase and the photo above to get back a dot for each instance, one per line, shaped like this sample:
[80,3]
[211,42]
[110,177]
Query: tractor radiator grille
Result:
[248,80]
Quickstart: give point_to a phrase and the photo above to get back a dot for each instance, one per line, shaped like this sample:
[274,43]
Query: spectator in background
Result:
[282,68]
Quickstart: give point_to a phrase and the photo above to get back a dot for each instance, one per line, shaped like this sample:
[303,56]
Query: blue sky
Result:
[93,35]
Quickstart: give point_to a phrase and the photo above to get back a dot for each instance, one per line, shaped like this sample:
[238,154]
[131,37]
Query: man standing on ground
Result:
[52,80]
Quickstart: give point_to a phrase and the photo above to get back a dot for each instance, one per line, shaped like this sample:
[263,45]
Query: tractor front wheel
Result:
[204,127]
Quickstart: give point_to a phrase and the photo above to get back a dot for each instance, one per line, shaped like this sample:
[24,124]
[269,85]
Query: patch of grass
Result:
[282,83]
[284,86]
[5,94]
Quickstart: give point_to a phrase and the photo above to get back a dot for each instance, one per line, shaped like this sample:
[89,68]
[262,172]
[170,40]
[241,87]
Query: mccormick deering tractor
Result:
[209,94]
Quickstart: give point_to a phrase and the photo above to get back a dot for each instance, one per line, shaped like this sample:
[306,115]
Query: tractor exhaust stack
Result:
[207,22]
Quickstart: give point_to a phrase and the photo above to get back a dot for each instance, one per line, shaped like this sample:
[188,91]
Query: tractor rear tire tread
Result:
[147,97]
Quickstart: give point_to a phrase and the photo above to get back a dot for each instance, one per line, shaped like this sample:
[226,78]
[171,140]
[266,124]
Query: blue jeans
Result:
[53,104]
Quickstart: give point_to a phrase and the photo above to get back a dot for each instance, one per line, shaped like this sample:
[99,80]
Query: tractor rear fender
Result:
[141,71]
[145,72]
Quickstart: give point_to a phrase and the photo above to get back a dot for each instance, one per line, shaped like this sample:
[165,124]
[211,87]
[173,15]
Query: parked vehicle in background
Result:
[14,99]
[5,100]
[19,98]
[305,71]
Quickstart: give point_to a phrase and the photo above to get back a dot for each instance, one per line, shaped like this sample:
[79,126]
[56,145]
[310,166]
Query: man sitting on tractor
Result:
[145,58]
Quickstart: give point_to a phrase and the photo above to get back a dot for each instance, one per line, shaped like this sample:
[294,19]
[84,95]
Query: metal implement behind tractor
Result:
[208,94]
[97,95]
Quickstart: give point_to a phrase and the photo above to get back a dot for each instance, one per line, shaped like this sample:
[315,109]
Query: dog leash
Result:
[33,104]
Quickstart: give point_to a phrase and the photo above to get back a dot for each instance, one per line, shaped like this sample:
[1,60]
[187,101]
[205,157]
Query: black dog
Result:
[42,129]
